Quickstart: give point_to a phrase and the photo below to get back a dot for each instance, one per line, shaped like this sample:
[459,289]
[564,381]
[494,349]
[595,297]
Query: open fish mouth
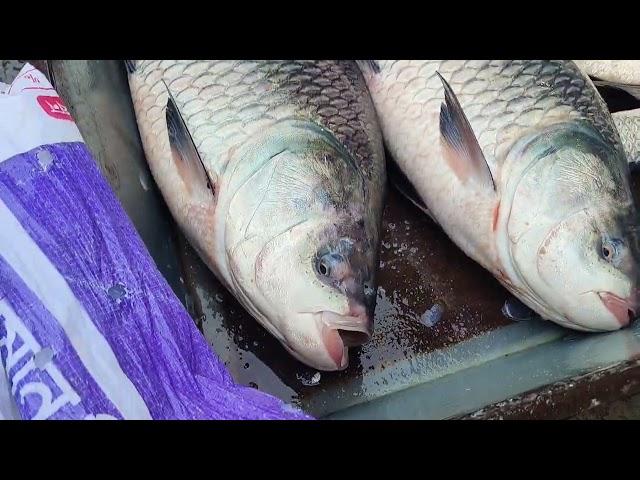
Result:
[624,310]
[339,332]
[353,329]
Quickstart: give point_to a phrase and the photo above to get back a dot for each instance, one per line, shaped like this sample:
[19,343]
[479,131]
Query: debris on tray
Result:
[309,380]
[432,316]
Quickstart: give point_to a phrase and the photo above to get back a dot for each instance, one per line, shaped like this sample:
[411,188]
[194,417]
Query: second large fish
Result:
[520,163]
[275,172]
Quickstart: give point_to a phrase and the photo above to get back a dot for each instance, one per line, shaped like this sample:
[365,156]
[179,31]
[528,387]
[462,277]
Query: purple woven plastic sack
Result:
[89,328]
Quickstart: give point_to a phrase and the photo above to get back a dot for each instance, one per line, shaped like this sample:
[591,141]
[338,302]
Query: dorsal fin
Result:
[462,150]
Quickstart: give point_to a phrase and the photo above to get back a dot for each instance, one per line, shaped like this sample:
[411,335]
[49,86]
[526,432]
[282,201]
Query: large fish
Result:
[275,172]
[521,164]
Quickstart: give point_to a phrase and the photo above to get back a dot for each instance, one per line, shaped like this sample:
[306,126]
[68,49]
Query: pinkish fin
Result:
[462,151]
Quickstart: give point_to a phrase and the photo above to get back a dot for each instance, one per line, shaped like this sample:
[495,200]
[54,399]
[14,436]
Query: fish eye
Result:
[327,263]
[610,249]
[323,268]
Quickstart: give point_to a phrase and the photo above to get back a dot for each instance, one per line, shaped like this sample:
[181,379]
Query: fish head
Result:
[305,262]
[573,234]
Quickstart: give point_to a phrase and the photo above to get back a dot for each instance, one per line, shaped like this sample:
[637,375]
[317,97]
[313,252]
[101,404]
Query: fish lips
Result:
[624,310]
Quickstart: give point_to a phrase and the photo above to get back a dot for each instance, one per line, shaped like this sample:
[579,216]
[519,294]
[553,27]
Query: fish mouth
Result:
[624,310]
[339,332]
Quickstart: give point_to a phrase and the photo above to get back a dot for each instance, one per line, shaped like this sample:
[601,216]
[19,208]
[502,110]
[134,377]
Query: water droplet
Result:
[117,291]
[246,365]
[43,357]
[144,180]
[219,298]
[253,385]
[45,159]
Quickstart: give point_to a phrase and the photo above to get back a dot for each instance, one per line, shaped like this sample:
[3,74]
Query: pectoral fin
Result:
[185,154]
[461,148]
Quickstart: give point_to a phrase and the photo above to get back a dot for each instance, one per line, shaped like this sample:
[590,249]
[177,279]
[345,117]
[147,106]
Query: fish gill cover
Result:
[89,329]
